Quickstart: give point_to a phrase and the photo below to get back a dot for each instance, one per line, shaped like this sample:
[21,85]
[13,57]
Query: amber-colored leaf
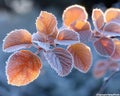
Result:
[98,18]
[82,56]
[52,37]
[116,53]
[41,40]
[104,46]
[100,69]
[83,28]
[112,14]
[22,68]
[46,23]
[16,40]
[112,29]
[80,25]
[73,13]
[67,37]
[60,60]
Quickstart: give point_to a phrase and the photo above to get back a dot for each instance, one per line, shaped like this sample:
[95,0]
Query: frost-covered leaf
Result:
[116,53]
[60,60]
[83,28]
[104,46]
[112,14]
[46,23]
[82,56]
[67,37]
[41,40]
[73,13]
[100,69]
[16,40]
[22,68]
[112,29]
[98,18]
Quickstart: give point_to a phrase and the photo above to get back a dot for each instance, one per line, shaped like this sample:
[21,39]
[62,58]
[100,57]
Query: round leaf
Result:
[104,46]
[73,13]
[82,56]
[22,68]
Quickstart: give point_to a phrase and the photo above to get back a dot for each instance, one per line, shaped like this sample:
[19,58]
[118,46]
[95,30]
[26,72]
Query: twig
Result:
[107,80]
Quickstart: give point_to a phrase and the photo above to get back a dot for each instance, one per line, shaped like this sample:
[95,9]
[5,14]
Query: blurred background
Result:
[17,14]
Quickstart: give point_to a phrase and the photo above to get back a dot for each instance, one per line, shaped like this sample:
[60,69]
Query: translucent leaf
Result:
[60,60]
[116,53]
[83,28]
[41,40]
[82,56]
[16,40]
[98,18]
[73,13]
[80,25]
[46,23]
[100,69]
[104,46]
[52,37]
[67,37]
[112,29]
[112,14]
[22,68]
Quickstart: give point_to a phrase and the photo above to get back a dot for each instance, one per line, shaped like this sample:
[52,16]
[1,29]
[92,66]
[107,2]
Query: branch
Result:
[107,80]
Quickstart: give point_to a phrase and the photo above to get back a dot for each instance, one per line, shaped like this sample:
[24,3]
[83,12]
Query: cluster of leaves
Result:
[24,66]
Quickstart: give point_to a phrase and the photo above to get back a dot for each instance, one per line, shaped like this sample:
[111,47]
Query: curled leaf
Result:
[116,53]
[98,18]
[41,40]
[83,28]
[46,23]
[112,14]
[112,29]
[60,60]
[22,68]
[82,56]
[67,37]
[100,69]
[16,40]
[73,13]
[104,46]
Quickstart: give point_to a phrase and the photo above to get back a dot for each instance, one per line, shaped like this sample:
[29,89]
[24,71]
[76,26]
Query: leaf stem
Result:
[107,80]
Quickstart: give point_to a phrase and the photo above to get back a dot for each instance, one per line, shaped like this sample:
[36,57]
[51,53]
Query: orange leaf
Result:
[16,40]
[100,69]
[22,68]
[60,60]
[73,13]
[112,14]
[98,18]
[46,23]
[80,25]
[67,37]
[82,56]
[116,53]
[104,46]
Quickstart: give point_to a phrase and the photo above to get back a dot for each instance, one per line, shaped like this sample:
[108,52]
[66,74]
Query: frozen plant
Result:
[24,66]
